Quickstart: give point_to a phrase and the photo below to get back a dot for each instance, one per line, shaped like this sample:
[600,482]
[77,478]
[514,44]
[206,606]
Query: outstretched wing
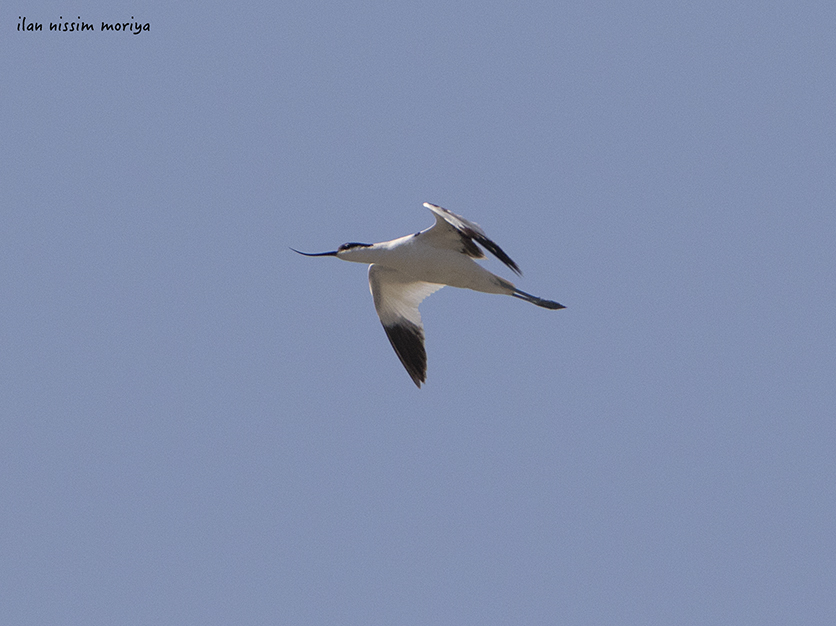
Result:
[396,299]
[468,232]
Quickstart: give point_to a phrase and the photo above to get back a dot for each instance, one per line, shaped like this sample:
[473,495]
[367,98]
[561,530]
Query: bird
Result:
[404,271]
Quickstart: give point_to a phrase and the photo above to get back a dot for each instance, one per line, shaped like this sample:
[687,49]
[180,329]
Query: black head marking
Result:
[349,246]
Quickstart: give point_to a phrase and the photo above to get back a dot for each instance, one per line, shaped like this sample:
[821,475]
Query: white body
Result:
[420,257]
[404,271]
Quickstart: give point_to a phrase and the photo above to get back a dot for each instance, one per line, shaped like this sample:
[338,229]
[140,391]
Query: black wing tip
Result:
[407,339]
[498,252]
[477,236]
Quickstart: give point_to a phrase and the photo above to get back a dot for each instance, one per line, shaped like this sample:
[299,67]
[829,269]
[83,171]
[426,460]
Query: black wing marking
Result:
[470,232]
[495,250]
[469,248]
[408,341]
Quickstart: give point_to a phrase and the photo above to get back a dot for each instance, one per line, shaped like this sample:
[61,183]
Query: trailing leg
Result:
[546,304]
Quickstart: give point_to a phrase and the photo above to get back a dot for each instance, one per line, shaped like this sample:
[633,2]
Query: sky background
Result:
[198,426]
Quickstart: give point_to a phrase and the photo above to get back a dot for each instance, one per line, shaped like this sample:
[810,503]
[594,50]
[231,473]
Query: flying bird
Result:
[404,271]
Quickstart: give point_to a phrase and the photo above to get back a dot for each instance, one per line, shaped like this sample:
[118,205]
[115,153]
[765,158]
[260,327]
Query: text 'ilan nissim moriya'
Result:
[132,27]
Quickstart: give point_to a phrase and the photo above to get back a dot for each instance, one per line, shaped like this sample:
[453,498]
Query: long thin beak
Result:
[334,253]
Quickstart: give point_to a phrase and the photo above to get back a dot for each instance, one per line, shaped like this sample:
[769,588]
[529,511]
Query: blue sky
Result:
[200,426]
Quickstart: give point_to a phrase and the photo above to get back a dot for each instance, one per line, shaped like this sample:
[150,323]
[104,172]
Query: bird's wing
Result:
[455,230]
[396,298]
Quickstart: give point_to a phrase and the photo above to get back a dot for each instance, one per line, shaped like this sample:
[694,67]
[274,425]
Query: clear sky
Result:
[200,427]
